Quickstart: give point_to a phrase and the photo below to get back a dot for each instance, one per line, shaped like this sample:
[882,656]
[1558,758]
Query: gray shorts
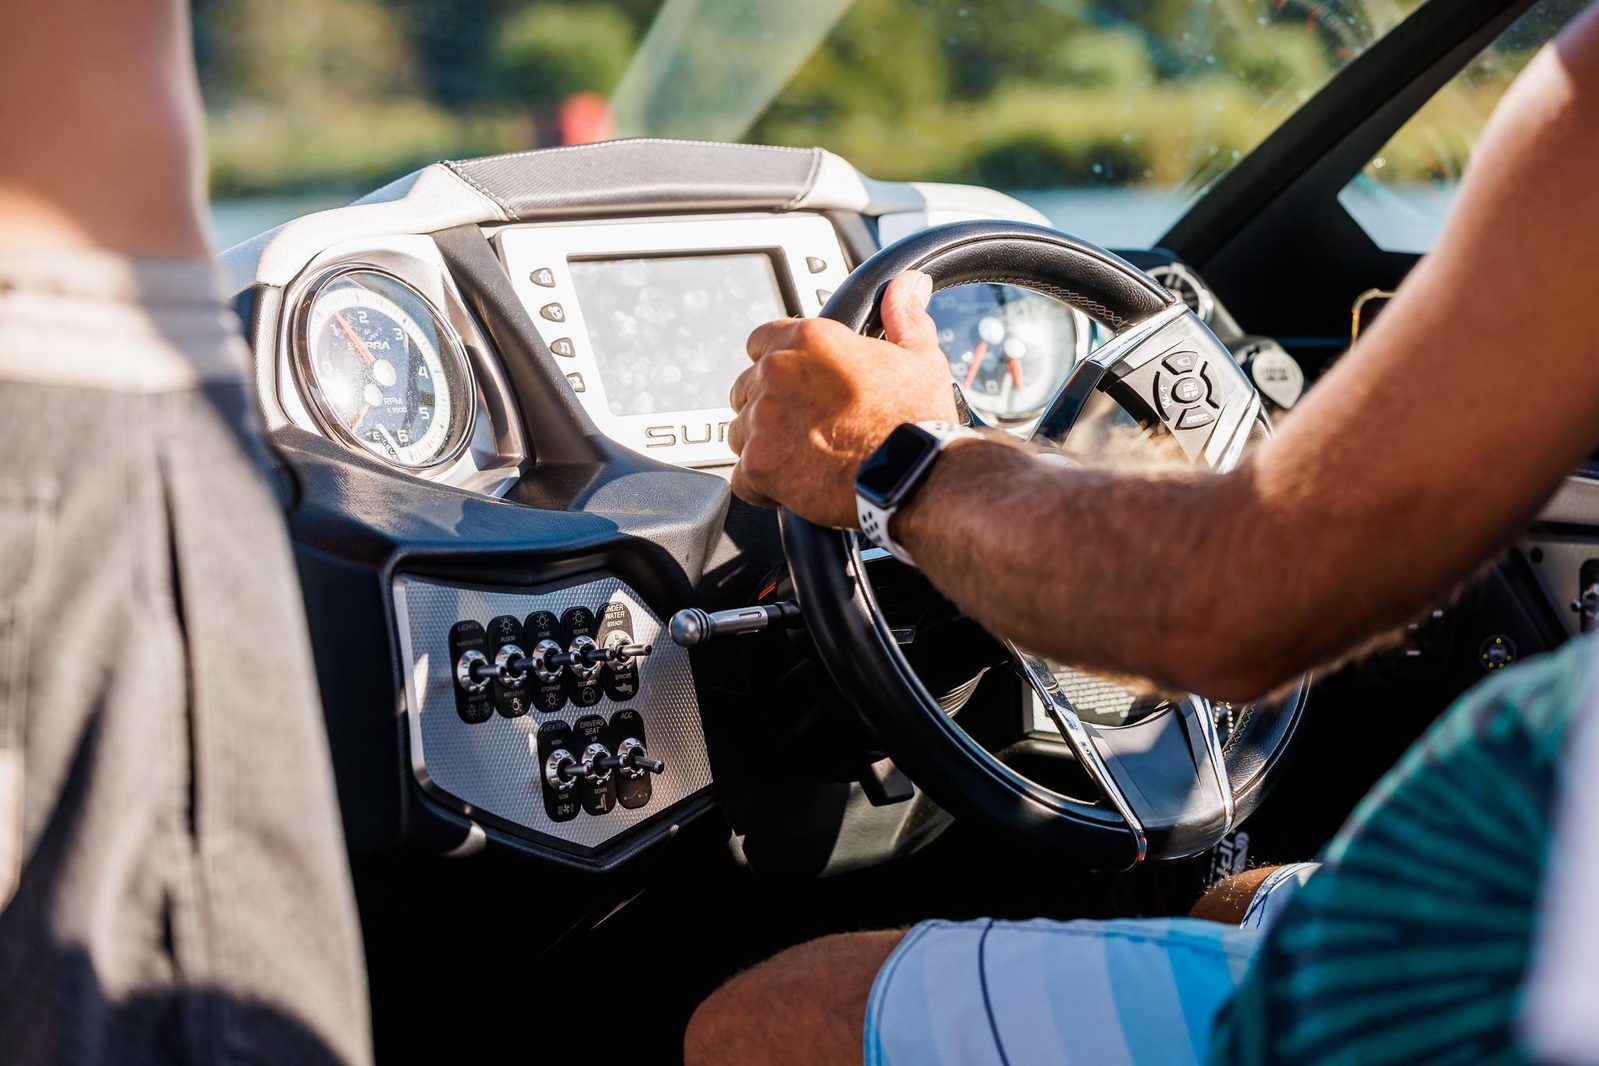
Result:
[173,880]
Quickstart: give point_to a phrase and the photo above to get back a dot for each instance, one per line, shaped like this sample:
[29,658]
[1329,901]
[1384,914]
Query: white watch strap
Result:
[874,524]
[874,520]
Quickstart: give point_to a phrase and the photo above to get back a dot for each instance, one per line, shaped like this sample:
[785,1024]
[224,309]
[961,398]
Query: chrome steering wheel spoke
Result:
[1047,688]
[1167,774]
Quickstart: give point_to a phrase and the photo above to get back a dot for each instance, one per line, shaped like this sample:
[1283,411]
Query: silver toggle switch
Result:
[619,651]
[633,761]
[578,658]
[510,666]
[473,671]
[548,660]
[561,770]
[597,764]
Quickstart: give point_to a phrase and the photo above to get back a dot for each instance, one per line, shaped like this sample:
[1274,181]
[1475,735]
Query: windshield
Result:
[1109,117]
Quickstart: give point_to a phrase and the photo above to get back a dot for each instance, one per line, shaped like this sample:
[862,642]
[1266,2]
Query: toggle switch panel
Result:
[482,744]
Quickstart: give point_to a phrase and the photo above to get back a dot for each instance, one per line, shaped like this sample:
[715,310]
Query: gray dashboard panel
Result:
[492,767]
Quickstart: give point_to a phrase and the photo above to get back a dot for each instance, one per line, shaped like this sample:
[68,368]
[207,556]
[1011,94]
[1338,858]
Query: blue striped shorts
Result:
[1141,991]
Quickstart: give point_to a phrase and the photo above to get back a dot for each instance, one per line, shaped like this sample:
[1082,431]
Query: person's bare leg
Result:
[803,1007]
[101,137]
[1229,899]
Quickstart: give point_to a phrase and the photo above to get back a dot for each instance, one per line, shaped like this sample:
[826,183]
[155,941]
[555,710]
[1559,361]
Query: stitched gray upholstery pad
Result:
[633,176]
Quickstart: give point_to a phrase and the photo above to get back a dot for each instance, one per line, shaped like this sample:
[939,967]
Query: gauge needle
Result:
[355,341]
[977,362]
[360,417]
[1016,372]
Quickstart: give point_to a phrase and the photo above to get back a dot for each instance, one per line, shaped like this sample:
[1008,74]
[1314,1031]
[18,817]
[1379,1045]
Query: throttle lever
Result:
[692,627]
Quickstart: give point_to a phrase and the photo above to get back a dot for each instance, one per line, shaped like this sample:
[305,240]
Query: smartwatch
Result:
[891,476]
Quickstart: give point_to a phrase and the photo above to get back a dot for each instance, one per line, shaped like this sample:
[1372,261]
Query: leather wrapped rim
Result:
[1102,285]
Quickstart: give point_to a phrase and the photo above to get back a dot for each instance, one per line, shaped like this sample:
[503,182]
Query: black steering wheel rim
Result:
[1103,285]
[849,628]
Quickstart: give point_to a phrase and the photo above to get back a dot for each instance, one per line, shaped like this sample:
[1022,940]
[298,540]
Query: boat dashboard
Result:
[497,390]
[644,317]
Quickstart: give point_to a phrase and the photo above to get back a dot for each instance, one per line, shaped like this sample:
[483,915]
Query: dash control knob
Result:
[598,762]
[584,657]
[692,627]
[633,761]
[473,671]
[1497,652]
[562,770]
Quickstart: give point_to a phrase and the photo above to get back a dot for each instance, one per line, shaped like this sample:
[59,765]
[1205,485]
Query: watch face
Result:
[890,473]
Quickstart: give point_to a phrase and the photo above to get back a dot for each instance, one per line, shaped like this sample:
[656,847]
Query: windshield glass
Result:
[1405,193]
[1110,116]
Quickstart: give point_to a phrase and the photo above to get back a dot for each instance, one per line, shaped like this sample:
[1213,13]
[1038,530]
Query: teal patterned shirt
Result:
[1411,944]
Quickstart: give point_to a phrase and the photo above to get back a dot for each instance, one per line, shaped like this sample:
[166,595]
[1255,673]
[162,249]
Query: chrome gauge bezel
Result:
[1082,345]
[451,348]
[1204,298]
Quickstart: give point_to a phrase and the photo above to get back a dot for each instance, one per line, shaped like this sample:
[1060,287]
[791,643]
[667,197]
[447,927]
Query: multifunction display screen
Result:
[668,332]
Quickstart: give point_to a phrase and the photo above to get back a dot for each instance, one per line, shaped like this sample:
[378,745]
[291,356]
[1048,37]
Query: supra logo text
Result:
[670,436]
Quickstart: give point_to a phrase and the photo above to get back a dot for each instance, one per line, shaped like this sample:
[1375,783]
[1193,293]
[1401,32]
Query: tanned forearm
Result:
[100,139]
[1041,553]
[1193,580]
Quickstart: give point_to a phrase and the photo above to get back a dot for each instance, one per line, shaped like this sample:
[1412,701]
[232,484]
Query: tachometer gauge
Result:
[383,370]
[1009,348]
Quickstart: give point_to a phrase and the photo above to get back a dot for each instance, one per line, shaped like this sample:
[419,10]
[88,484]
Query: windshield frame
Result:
[1308,159]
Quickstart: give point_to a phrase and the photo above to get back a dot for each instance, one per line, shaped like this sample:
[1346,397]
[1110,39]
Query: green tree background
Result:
[1018,94]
